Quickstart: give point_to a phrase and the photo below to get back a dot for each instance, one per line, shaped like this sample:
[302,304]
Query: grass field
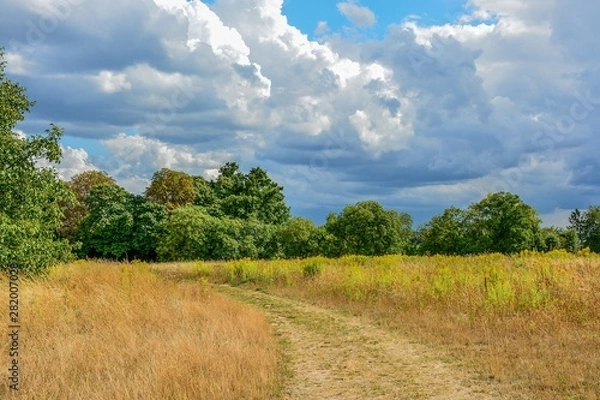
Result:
[118,331]
[529,321]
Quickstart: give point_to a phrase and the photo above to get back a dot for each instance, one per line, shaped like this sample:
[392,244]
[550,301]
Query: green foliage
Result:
[446,233]
[80,185]
[191,233]
[250,196]
[30,196]
[312,269]
[587,226]
[550,239]
[367,229]
[502,223]
[171,189]
[300,238]
[119,225]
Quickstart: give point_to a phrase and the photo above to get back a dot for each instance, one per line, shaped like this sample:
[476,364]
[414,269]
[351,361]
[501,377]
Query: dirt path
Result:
[334,356]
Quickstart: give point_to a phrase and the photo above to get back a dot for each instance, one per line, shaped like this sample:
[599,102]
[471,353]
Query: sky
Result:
[420,105]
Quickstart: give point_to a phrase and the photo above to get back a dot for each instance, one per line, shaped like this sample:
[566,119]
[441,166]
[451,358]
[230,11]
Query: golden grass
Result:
[531,322]
[118,331]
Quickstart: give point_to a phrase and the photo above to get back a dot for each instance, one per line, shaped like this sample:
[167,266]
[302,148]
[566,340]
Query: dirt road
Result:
[330,355]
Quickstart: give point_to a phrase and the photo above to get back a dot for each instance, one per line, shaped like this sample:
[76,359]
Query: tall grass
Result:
[531,321]
[118,331]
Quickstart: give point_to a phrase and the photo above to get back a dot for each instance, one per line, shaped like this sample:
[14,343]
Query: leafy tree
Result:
[569,240]
[30,196]
[249,196]
[446,233]
[191,233]
[172,189]
[266,198]
[81,185]
[549,239]
[185,236]
[576,221]
[502,223]
[367,229]
[148,226]
[205,196]
[587,226]
[119,225]
[105,231]
[300,238]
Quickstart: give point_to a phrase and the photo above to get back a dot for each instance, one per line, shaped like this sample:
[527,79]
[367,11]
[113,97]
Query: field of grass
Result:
[529,321]
[118,331]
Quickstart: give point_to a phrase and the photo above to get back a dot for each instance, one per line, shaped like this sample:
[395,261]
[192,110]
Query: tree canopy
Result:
[30,196]
[81,186]
[587,225]
[119,225]
[170,188]
[366,228]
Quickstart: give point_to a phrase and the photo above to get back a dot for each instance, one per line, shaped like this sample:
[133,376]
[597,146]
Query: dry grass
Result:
[118,331]
[531,322]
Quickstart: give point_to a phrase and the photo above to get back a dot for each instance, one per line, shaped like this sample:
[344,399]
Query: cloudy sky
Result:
[417,104]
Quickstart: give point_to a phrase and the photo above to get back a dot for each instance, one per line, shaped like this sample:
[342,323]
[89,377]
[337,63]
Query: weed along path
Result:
[329,355]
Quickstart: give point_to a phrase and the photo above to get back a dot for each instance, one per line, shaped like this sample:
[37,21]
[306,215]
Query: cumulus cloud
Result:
[322,28]
[133,156]
[359,15]
[504,98]
[109,82]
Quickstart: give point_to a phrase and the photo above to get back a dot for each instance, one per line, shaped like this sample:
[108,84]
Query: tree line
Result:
[44,220]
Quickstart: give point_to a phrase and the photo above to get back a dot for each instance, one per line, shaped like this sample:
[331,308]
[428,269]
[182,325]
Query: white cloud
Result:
[359,15]
[422,117]
[322,28]
[110,82]
[135,156]
[73,162]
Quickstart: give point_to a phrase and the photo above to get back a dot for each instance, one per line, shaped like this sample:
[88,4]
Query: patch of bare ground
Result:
[331,355]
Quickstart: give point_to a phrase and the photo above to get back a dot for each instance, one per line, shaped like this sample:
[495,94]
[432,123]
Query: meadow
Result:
[94,330]
[529,321]
[98,330]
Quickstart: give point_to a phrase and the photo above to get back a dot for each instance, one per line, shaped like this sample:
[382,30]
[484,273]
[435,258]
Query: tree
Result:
[249,196]
[191,233]
[172,189]
[550,238]
[81,185]
[503,223]
[587,226]
[446,233]
[205,196]
[30,196]
[119,225]
[367,229]
[300,238]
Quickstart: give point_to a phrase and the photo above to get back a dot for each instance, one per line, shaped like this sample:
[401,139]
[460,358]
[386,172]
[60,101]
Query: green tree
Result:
[587,226]
[81,185]
[172,189]
[445,234]
[30,196]
[300,238]
[367,229]
[569,240]
[254,195]
[550,238]
[503,223]
[205,196]
[185,236]
[119,225]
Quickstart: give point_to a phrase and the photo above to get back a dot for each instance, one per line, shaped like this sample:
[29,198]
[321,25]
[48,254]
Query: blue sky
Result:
[418,105]
[306,14]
